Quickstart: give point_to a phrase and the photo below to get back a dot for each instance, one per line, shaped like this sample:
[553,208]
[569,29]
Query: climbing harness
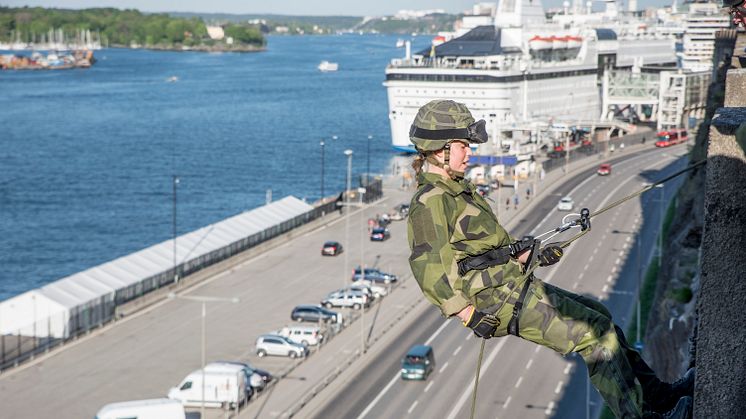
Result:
[584,222]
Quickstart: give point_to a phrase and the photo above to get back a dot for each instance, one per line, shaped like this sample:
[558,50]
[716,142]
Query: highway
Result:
[520,379]
[147,353]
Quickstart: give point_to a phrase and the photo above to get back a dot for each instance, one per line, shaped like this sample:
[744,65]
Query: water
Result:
[87,156]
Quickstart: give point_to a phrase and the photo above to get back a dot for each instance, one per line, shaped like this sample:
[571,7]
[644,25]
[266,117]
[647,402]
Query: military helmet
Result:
[440,121]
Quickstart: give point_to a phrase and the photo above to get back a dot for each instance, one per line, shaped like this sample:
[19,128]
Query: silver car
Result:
[346,298]
[279,346]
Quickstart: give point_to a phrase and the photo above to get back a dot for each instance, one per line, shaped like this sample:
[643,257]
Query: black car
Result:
[331,249]
[403,209]
[372,274]
[379,234]
[483,190]
[310,313]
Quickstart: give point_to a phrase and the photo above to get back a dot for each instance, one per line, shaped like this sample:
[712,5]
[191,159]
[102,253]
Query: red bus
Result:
[671,137]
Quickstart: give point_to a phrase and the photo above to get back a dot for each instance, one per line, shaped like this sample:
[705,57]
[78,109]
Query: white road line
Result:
[585,268]
[558,388]
[457,350]
[468,336]
[430,384]
[581,275]
[629,239]
[567,369]
[549,408]
[437,332]
[575,286]
[603,237]
[530,361]
[507,402]
[518,383]
[396,376]
[590,259]
[613,269]
[411,408]
[536,350]
[443,367]
[467,392]
[618,260]
[610,278]
[595,250]
[606,287]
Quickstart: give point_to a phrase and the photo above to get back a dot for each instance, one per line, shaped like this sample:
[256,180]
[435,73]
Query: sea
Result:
[88,157]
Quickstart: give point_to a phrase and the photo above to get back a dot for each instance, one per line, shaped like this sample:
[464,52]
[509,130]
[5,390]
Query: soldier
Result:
[467,265]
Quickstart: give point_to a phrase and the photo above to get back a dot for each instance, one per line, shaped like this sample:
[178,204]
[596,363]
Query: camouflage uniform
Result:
[449,220]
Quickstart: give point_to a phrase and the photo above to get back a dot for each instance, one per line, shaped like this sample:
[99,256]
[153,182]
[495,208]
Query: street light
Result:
[348,153]
[322,168]
[173,224]
[204,300]
[660,232]
[367,170]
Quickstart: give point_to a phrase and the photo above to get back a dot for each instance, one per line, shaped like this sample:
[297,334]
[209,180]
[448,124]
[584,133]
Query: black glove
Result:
[483,324]
[550,254]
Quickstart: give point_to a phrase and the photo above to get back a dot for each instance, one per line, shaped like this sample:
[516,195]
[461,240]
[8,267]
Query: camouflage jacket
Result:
[449,221]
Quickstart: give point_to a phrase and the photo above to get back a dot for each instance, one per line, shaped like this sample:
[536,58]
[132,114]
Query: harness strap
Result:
[513,323]
[494,257]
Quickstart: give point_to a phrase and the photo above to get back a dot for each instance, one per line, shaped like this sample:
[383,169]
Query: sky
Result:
[285,7]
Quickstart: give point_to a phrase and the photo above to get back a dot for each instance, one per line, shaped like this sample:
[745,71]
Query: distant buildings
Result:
[215,32]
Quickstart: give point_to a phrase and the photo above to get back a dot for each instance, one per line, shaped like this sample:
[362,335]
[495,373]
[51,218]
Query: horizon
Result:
[287,7]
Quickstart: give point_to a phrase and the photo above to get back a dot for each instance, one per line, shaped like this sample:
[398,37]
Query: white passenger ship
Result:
[513,65]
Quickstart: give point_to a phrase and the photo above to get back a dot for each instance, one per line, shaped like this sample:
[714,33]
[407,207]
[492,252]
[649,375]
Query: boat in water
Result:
[327,66]
[511,65]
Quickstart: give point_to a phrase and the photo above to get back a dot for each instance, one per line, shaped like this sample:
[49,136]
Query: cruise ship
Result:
[511,65]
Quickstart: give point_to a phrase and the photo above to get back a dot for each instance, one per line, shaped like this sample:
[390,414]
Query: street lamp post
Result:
[362,271]
[204,300]
[348,153]
[367,167]
[660,231]
[322,168]
[173,224]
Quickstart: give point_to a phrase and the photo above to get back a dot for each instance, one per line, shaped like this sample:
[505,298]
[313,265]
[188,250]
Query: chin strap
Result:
[446,163]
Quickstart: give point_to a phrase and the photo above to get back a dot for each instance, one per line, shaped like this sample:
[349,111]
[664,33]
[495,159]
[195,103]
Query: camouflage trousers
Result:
[567,322]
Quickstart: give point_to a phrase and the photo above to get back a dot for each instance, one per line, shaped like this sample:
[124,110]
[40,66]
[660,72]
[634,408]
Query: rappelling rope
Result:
[565,244]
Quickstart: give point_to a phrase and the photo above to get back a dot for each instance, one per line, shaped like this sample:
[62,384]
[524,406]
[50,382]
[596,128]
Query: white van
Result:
[252,379]
[305,335]
[224,387]
[143,409]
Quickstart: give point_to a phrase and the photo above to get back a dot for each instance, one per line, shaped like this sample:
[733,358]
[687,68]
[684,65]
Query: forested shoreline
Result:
[123,28]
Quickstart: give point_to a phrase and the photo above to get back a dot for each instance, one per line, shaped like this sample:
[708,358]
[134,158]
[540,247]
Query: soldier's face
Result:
[459,157]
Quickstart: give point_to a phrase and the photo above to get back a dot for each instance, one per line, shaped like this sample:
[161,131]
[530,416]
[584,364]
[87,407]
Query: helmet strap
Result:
[446,163]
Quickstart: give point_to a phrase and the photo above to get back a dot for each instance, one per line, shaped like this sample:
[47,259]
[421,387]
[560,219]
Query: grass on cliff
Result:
[647,295]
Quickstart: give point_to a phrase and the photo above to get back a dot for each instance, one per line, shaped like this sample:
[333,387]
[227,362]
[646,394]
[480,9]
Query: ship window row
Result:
[484,78]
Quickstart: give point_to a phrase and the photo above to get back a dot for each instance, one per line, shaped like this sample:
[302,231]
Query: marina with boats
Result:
[50,61]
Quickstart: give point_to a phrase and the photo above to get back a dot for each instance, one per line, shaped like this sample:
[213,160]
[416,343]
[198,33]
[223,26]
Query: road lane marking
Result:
[575,286]
[581,275]
[530,361]
[429,385]
[437,332]
[518,383]
[618,260]
[411,408]
[606,287]
[457,350]
[585,268]
[467,392]
[610,278]
[507,402]
[613,269]
[549,408]
[536,350]
[380,395]
[595,250]
[567,369]
[443,367]
[558,388]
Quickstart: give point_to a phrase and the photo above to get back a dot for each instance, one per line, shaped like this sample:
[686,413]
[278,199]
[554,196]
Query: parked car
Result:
[331,249]
[418,363]
[346,298]
[565,204]
[305,335]
[372,274]
[379,234]
[221,388]
[403,209]
[483,190]
[258,379]
[604,169]
[143,409]
[377,291]
[396,216]
[279,346]
[311,313]
[235,368]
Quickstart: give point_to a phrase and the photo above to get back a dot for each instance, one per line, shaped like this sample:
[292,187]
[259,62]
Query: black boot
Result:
[668,395]
[682,410]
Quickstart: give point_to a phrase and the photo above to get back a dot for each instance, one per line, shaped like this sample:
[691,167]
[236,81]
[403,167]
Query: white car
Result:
[565,204]
[377,290]
[346,298]
[280,346]
[305,335]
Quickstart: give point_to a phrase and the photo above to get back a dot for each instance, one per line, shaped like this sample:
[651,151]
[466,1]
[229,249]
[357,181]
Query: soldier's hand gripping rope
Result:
[483,325]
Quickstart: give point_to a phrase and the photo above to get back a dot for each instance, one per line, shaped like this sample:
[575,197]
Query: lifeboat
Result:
[574,41]
[559,42]
[537,43]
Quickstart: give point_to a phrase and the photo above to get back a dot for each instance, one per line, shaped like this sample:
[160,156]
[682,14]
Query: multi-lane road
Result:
[146,354]
[520,379]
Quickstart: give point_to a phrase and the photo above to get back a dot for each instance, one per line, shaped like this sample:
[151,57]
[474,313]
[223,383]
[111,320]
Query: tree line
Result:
[115,27]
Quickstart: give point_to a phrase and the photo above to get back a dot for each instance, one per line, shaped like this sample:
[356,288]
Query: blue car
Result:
[379,234]
[374,275]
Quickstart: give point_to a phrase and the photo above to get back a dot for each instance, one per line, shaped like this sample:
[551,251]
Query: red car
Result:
[331,249]
[604,169]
